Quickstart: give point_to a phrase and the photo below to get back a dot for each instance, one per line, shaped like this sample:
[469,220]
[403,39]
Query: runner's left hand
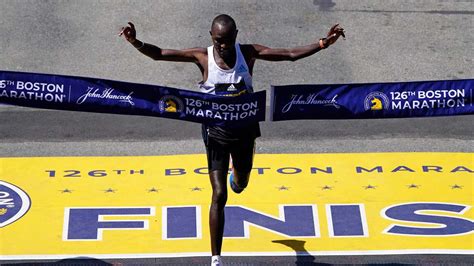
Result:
[334,34]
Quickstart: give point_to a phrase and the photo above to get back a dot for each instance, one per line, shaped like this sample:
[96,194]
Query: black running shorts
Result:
[242,152]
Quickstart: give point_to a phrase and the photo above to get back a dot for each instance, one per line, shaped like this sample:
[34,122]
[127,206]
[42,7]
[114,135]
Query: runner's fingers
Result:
[126,31]
[333,30]
[339,31]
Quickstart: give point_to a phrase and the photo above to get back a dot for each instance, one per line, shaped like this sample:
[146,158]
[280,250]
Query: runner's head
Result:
[223,34]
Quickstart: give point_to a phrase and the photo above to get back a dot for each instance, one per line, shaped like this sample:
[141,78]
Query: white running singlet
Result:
[238,75]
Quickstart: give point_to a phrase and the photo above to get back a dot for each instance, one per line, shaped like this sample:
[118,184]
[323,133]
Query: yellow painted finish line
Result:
[157,206]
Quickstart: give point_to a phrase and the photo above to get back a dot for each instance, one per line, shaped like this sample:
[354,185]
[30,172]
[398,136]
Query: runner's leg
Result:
[218,165]
[242,159]
[216,212]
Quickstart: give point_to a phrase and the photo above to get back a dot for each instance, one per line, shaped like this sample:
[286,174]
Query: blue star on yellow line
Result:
[370,187]
[280,188]
[456,186]
[110,190]
[66,190]
[413,186]
[196,189]
[153,190]
[326,187]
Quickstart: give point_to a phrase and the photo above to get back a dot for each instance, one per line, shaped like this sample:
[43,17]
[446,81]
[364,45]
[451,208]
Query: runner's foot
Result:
[216,261]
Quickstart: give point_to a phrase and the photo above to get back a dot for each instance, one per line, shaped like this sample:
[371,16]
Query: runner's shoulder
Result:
[250,50]
[197,52]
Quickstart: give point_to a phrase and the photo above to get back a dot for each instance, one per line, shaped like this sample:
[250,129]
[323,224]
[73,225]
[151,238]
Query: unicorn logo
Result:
[376,101]
[376,104]
[170,104]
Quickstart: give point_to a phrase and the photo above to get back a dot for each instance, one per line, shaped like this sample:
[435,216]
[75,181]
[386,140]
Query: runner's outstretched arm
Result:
[192,55]
[295,53]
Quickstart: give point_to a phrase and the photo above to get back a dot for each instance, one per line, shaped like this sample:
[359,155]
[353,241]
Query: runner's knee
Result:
[241,179]
[219,198]
[219,188]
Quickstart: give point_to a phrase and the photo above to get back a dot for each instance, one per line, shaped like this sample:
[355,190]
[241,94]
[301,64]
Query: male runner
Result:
[227,69]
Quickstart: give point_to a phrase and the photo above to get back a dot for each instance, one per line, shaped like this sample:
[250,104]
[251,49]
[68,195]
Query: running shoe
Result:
[216,261]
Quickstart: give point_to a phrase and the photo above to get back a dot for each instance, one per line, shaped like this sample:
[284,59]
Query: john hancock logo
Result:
[14,203]
[376,101]
[170,104]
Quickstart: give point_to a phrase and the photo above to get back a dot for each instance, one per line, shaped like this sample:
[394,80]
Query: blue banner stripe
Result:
[108,96]
[372,100]
[342,101]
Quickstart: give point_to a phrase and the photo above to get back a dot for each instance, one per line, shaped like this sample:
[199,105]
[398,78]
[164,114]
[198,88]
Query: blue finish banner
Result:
[107,96]
[372,100]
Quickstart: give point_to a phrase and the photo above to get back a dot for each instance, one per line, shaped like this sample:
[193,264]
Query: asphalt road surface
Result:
[386,41]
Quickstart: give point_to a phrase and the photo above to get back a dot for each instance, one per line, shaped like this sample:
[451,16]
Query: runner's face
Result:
[223,40]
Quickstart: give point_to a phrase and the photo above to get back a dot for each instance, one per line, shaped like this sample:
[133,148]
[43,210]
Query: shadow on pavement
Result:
[302,255]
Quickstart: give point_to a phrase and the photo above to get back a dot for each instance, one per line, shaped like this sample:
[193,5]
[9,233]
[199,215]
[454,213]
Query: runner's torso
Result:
[228,82]
[218,77]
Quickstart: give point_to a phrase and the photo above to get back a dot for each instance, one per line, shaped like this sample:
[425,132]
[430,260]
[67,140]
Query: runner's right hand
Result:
[129,32]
